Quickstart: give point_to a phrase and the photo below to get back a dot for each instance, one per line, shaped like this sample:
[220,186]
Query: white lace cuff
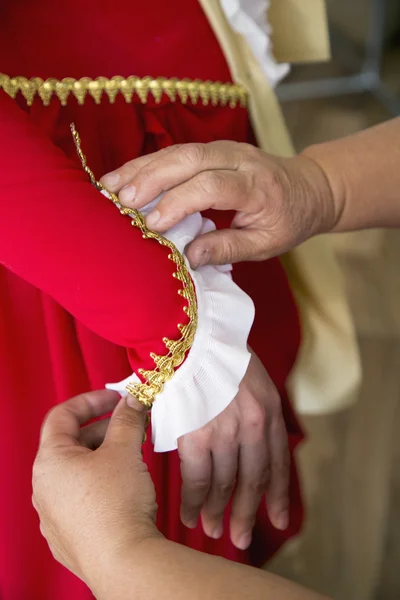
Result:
[250,19]
[209,378]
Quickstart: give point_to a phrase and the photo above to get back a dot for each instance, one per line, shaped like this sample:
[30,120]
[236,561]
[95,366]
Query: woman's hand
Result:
[96,505]
[279,202]
[245,446]
[91,489]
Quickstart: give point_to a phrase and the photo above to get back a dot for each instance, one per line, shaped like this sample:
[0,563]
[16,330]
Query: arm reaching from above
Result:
[351,183]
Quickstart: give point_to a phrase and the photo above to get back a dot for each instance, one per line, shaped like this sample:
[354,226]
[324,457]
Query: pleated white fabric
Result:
[209,378]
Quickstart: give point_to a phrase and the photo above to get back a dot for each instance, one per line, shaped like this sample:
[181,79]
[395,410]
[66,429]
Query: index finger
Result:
[62,424]
[167,170]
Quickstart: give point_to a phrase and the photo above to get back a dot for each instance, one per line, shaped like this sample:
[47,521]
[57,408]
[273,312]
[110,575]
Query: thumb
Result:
[223,247]
[127,425]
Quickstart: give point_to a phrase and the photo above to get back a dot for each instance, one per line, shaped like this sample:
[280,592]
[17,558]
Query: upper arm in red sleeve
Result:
[60,234]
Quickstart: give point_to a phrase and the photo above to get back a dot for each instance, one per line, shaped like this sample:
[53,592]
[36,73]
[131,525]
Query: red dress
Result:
[63,330]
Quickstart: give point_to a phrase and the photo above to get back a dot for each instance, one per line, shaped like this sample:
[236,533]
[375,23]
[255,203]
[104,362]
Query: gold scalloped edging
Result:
[177,349]
[196,90]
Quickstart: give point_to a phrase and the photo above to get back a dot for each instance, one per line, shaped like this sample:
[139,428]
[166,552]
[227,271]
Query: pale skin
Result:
[347,184]
[247,442]
[97,507]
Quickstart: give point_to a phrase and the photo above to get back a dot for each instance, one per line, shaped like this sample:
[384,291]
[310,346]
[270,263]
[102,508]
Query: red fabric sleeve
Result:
[61,235]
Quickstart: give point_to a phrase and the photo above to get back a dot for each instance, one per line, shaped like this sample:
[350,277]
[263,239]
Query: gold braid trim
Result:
[184,89]
[164,365]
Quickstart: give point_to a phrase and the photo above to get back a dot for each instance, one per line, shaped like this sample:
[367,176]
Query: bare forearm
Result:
[163,569]
[364,173]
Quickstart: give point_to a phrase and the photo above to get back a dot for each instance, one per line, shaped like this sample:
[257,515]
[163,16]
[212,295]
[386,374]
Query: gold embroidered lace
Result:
[176,349]
[196,91]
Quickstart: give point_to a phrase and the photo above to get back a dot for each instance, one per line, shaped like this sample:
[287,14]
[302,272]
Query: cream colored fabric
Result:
[299,30]
[327,374]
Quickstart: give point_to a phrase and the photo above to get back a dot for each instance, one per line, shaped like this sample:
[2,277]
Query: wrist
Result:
[106,572]
[331,190]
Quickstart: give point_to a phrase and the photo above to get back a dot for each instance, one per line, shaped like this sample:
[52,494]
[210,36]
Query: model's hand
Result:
[279,202]
[246,446]
[93,493]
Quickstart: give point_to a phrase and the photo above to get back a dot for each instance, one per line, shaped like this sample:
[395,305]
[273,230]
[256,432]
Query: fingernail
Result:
[133,402]
[127,194]
[216,533]
[152,219]
[244,541]
[191,524]
[282,520]
[201,259]
[111,180]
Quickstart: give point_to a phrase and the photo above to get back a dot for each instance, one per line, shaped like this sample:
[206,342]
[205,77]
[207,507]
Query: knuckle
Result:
[55,409]
[124,420]
[35,503]
[200,484]
[129,168]
[175,206]
[145,174]
[260,483]
[228,249]
[197,488]
[251,152]
[127,171]
[211,182]
[225,488]
[192,444]
[168,149]
[37,472]
[229,433]
[193,154]
[256,418]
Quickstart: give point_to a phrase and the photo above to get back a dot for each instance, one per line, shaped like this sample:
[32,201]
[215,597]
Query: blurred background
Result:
[350,546]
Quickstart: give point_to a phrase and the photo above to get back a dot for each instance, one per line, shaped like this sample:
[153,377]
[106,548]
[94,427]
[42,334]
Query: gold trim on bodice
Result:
[165,365]
[195,90]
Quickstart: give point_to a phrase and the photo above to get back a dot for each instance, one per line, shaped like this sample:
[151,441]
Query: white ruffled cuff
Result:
[250,19]
[208,380]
